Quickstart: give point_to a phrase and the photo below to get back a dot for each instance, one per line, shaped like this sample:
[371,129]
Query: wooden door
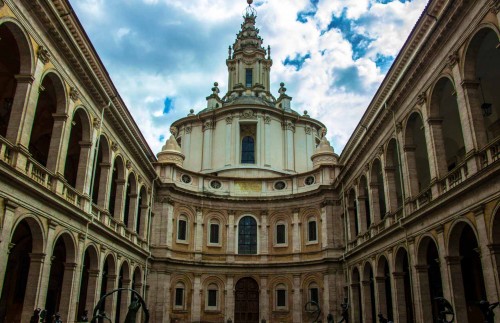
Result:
[246,307]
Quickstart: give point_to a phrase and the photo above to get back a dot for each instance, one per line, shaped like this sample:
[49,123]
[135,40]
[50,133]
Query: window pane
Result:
[281,298]
[312,231]
[212,297]
[214,233]
[314,295]
[247,236]
[181,234]
[248,79]
[179,295]
[280,233]
[248,150]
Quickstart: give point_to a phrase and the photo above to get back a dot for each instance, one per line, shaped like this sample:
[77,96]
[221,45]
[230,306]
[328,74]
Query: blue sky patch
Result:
[384,62]
[347,27]
[168,105]
[298,61]
[309,12]
[161,138]
[348,79]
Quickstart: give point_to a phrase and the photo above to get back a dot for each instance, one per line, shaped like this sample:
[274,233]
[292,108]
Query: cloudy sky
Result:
[164,55]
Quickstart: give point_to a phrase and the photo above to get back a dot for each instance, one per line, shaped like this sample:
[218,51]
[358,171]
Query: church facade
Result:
[247,214]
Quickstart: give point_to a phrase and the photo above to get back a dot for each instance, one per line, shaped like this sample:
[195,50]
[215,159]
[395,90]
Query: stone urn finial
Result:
[171,153]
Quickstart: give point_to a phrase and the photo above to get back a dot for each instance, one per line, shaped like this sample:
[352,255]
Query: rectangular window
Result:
[179,296]
[249,77]
[312,231]
[314,294]
[248,137]
[214,233]
[182,230]
[281,298]
[280,234]
[212,298]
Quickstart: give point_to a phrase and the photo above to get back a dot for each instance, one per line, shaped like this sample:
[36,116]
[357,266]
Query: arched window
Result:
[313,293]
[312,230]
[281,297]
[182,228]
[281,234]
[214,232]
[179,296]
[248,150]
[212,299]
[247,236]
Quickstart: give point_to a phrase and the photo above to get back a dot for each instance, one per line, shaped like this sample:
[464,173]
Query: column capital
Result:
[434,121]
[478,210]
[452,260]
[37,257]
[24,78]
[470,84]
[69,266]
[421,268]
[60,116]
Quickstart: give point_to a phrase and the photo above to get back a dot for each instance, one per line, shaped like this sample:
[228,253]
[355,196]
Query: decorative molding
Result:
[114,146]
[188,129]
[288,125]
[381,150]
[174,131]
[248,114]
[43,54]
[308,130]
[139,179]
[421,98]
[399,127]
[452,59]
[229,120]
[208,125]
[74,94]
[267,119]
[128,164]
[495,6]
[96,122]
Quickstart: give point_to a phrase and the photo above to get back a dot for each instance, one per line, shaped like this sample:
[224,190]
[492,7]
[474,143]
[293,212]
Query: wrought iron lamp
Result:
[485,107]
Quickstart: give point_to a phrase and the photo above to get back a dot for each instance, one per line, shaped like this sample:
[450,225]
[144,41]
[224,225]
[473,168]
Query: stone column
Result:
[458,296]
[487,261]
[322,225]
[229,292]
[110,306]
[264,299]
[297,304]
[57,152]
[168,212]
[196,305]
[264,234]
[133,208]
[83,178]
[119,200]
[400,299]
[391,191]
[297,237]
[43,283]
[198,230]
[230,237]
[92,291]
[328,287]
[67,304]
[125,299]
[160,298]
[23,109]
[104,186]
[423,309]
[351,218]
[143,222]
[288,133]
[208,127]
[355,296]
[5,234]
[229,160]
[373,194]
[362,224]
[267,141]
[367,304]
[411,165]
[33,286]
[380,294]
[445,275]
[436,148]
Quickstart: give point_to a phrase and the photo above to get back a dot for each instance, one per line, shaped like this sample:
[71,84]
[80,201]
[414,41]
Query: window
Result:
[179,295]
[281,297]
[312,231]
[214,233]
[212,297]
[314,293]
[182,229]
[280,233]
[247,150]
[249,77]
[247,236]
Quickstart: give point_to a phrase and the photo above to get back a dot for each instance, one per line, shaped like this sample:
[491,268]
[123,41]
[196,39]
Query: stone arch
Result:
[131,202]
[429,276]
[481,71]
[403,286]
[123,298]
[46,130]
[356,300]
[142,213]
[393,173]
[108,282]
[417,158]
[101,171]
[213,294]
[377,190]
[466,271]
[248,237]
[117,186]
[16,59]
[62,272]
[352,210]
[24,263]
[78,150]
[445,126]
[279,222]
[88,281]
[368,294]
[246,306]
[215,222]
[364,210]
[384,288]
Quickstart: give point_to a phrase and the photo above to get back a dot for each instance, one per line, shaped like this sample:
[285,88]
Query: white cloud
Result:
[177,49]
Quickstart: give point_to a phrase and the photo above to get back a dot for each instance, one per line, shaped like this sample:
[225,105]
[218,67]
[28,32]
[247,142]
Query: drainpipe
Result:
[151,202]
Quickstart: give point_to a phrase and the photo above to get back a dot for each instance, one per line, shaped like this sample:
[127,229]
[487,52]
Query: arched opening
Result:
[62,270]
[369,295]
[384,289]
[246,305]
[137,280]
[123,298]
[416,154]
[75,168]
[51,100]
[495,237]
[100,174]
[393,174]
[429,273]
[482,64]
[16,274]
[357,307]
[10,66]
[403,286]
[108,278]
[377,191]
[142,213]
[364,205]
[446,126]
[115,204]
[247,236]
[352,209]
[130,210]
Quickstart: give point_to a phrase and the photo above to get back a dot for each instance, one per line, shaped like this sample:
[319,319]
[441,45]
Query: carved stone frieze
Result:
[43,54]
[308,130]
[248,114]
[495,6]
[229,120]
[114,146]
[399,127]
[267,119]
[452,59]
[288,125]
[128,164]
[96,122]
[74,94]
[421,98]
[188,129]
[208,125]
